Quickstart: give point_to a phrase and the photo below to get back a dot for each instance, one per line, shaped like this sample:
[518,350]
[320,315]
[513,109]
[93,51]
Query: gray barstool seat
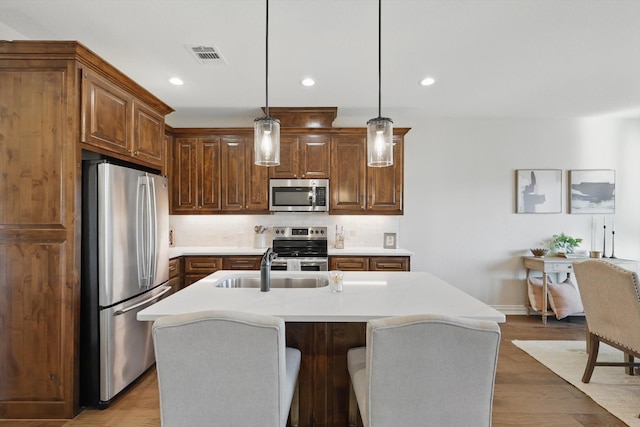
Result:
[425,370]
[223,368]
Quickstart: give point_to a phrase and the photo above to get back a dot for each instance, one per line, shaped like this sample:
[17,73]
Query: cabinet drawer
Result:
[560,267]
[241,263]
[349,263]
[202,264]
[388,263]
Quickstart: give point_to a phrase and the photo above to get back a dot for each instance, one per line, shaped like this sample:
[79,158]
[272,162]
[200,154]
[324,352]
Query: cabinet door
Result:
[314,156]
[256,197]
[349,263]
[209,175]
[241,262]
[233,173]
[183,176]
[106,121]
[288,167]
[148,134]
[384,189]
[175,268]
[203,265]
[389,263]
[348,172]
[39,238]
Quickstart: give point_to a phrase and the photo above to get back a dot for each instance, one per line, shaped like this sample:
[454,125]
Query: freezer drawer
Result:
[126,344]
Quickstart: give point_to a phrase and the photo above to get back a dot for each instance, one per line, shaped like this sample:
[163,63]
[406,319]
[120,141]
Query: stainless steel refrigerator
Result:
[125,268]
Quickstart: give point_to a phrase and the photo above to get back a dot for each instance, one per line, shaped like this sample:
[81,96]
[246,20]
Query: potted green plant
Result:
[563,244]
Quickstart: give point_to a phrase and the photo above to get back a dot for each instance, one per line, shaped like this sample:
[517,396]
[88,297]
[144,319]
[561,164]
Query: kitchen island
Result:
[324,325]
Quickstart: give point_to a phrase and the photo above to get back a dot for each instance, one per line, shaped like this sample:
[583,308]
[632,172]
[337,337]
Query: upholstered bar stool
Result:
[425,370]
[223,368]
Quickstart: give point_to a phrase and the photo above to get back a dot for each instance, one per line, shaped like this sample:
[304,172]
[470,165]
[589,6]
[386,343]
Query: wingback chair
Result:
[425,370]
[611,301]
[223,368]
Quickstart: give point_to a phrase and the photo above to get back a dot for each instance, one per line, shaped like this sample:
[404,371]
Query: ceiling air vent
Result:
[206,54]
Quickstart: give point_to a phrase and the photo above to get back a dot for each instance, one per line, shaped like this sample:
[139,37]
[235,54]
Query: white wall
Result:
[460,190]
[460,199]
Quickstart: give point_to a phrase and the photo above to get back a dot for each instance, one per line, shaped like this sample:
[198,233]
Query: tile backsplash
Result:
[237,230]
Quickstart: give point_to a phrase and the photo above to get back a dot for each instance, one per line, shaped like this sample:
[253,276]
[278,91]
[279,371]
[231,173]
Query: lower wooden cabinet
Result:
[388,263]
[197,267]
[377,263]
[251,262]
[175,274]
[324,378]
[349,263]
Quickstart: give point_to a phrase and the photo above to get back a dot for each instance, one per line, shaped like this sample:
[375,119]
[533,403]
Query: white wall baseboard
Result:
[511,309]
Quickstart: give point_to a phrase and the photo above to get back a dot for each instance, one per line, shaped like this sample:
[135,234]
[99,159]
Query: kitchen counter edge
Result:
[178,251]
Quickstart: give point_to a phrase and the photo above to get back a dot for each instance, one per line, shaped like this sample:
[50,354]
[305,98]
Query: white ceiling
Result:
[491,58]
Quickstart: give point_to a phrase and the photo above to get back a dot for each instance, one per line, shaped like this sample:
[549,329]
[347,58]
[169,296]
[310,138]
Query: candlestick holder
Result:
[604,242]
[613,243]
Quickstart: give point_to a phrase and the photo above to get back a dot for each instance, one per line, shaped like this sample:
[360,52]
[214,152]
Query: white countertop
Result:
[366,295]
[239,250]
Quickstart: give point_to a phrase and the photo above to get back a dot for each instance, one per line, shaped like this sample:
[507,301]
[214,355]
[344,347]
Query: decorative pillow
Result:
[534,288]
[564,299]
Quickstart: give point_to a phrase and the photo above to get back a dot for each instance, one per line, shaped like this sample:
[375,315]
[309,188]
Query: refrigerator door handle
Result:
[166,289]
[153,231]
[143,231]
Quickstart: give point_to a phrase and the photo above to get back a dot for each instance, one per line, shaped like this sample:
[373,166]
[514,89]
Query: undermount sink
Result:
[276,282]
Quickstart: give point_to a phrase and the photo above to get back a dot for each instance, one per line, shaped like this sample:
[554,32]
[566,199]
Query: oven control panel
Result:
[300,232]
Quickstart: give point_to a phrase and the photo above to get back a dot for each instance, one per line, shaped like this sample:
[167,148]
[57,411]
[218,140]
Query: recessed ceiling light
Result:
[176,81]
[427,81]
[308,82]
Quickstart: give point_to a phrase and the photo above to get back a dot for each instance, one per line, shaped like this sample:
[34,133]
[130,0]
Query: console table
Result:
[557,265]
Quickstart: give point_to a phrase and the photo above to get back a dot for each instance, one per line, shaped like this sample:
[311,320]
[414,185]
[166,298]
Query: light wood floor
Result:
[526,393]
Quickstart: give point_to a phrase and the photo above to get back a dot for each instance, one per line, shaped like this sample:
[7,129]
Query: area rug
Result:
[609,387]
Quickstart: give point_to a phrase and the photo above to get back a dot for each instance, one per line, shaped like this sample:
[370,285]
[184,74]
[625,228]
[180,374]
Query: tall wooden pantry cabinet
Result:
[58,101]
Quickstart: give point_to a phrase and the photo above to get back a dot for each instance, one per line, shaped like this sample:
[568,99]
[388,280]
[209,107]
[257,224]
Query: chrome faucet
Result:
[265,270]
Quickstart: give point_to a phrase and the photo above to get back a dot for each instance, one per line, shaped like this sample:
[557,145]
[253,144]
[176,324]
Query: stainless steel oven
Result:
[304,245]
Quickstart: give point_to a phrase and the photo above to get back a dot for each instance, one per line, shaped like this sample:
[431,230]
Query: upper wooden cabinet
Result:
[116,122]
[56,97]
[358,189]
[385,185]
[195,175]
[348,174]
[106,114]
[215,173]
[148,134]
[303,157]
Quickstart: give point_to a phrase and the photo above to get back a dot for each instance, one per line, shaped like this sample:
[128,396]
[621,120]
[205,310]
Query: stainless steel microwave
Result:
[299,195]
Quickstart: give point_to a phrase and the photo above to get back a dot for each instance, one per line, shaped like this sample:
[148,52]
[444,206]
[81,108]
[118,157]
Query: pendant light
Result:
[266,133]
[380,129]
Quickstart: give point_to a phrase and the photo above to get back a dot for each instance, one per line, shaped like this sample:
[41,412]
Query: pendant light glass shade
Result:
[380,142]
[266,145]
[266,130]
[380,129]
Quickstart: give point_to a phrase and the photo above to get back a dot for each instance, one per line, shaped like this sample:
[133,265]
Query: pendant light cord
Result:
[379,58]
[267,63]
